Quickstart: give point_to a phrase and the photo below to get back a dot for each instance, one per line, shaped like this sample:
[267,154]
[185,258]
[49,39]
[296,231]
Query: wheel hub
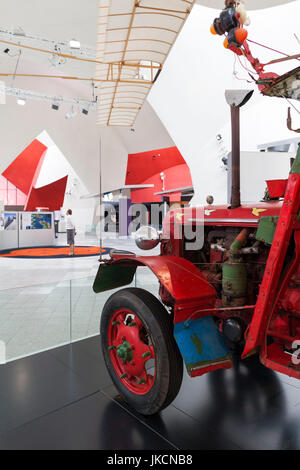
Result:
[124,352]
[129,351]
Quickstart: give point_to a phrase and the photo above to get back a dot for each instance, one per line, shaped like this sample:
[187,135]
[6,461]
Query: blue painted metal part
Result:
[201,345]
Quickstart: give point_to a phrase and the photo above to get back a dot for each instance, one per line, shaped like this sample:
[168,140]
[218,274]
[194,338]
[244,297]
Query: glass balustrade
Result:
[41,317]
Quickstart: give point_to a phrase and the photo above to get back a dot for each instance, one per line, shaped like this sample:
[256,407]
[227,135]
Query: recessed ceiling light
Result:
[74,44]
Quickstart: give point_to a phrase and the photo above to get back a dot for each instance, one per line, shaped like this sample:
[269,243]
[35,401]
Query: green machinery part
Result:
[234,279]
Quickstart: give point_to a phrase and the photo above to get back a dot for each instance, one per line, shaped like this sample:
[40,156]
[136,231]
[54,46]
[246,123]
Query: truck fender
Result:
[199,341]
[184,282]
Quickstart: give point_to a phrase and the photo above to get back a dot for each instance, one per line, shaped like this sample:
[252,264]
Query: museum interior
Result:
[150,225]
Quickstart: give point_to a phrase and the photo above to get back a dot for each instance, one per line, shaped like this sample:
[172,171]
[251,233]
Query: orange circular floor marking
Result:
[53,252]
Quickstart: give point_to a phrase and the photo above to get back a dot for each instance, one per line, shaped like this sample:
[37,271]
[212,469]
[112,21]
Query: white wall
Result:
[149,132]
[257,167]
[56,166]
[189,94]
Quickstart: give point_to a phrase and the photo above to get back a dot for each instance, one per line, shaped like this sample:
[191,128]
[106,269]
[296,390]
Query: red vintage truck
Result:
[240,289]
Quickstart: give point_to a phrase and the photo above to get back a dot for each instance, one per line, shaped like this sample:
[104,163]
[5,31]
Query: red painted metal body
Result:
[192,290]
[226,273]
[181,284]
[276,188]
[256,286]
[270,288]
[265,78]
[248,215]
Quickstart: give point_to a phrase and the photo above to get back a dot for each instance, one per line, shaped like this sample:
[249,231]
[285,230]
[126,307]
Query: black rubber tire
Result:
[169,366]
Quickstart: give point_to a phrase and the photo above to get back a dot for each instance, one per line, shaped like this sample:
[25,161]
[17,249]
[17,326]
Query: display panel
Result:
[36,221]
[10,221]
[41,221]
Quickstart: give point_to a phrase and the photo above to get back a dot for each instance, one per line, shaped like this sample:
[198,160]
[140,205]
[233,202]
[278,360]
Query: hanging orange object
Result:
[212,29]
[241,35]
[226,43]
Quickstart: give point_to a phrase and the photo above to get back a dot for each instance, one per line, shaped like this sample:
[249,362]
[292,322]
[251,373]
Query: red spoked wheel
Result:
[131,351]
[139,350]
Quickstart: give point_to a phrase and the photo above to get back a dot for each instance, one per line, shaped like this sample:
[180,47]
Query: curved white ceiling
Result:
[250,4]
[78,138]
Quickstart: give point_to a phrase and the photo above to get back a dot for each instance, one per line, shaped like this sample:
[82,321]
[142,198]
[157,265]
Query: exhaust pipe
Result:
[236,99]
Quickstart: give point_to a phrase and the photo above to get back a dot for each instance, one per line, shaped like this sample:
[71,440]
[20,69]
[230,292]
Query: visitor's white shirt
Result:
[69,223]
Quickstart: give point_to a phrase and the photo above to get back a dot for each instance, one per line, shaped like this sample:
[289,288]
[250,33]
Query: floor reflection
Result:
[120,430]
[246,404]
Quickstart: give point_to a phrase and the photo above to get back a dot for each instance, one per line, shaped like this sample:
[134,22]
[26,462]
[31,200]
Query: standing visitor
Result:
[70,232]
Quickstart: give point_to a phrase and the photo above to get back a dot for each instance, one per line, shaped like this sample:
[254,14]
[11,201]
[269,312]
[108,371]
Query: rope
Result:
[270,48]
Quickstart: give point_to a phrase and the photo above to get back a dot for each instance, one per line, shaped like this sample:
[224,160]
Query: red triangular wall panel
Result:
[50,197]
[21,176]
[145,168]
[23,172]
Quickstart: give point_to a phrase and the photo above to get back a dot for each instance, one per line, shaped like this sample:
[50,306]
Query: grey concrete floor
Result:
[46,303]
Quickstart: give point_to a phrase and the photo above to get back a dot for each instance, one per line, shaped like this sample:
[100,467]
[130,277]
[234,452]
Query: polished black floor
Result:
[64,399]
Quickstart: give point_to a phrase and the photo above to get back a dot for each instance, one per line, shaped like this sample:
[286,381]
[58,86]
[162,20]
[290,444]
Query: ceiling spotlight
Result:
[74,44]
[19,31]
[56,60]
[72,114]
[6,51]
[85,111]
[225,160]
[21,101]
[55,106]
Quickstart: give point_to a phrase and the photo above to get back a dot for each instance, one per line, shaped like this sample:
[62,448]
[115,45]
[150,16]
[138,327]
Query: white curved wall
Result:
[189,94]
[250,4]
